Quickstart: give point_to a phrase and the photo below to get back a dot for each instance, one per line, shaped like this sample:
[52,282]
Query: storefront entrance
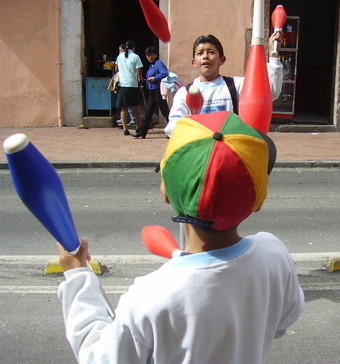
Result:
[316,55]
[108,23]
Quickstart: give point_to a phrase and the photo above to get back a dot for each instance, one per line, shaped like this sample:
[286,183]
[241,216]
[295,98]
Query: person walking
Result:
[129,66]
[131,118]
[155,73]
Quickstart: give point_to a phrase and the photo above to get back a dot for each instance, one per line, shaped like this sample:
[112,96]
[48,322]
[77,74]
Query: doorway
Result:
[109,23]
[315,78]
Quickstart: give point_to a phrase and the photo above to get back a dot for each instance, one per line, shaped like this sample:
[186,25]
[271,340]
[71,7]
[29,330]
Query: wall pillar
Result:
[72,41]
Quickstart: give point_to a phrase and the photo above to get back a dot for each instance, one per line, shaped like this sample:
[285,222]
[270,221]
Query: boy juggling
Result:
[220,93]
[227,297]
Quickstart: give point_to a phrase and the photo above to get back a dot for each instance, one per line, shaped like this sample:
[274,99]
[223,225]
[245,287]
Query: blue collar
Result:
[212,256]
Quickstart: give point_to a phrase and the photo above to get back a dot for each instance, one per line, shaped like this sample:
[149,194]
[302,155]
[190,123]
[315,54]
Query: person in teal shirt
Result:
[130,73]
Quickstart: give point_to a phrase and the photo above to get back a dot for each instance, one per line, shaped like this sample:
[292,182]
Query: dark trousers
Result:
[154,101]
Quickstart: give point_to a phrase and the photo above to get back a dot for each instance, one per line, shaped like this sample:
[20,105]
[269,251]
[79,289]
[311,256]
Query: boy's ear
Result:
[193,62]
[222,60]
[162,189]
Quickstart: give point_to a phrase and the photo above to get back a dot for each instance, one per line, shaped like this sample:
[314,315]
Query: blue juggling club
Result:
[41,190]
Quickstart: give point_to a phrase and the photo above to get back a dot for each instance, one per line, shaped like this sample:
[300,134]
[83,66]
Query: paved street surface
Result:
[110,207]
[302,209]
[32,330]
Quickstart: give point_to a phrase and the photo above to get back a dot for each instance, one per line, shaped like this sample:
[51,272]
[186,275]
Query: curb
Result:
[53,267]
[333,265]
[329,259]
[154,164]
[96,164]
[308,164]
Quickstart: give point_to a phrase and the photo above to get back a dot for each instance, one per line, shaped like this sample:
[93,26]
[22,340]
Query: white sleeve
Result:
[93,336]
[293,302]
[275,75]
[179,109]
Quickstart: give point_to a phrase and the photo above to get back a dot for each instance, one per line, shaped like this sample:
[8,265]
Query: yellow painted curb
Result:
[53,267]
[333,265]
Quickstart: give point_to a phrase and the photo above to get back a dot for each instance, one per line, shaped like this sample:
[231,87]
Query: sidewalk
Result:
[100,147]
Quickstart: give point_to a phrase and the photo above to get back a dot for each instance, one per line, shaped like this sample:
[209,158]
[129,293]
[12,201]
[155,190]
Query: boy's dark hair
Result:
[151,50]
[208,39]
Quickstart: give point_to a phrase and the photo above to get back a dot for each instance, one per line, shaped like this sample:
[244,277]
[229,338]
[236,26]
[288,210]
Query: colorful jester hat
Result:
[215,169]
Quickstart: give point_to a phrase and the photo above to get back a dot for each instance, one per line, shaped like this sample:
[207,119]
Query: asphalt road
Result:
[111,207]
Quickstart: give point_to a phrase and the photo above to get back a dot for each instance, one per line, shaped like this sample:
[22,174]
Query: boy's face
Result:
[151,57]
[207,60]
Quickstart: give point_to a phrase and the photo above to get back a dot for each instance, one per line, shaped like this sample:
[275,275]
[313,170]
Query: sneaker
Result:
[132,122]
[119,122]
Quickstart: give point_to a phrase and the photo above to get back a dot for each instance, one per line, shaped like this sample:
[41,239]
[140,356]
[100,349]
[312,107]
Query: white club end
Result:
[194,90]
[75,252]
[15,143]
[176,253]
[258,23]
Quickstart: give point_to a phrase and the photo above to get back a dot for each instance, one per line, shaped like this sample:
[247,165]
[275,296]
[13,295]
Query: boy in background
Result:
[227,297]
[220,94]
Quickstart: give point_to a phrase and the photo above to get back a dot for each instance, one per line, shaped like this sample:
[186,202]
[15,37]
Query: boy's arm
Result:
[274,66]
[293,301]
[84,310]
[179,109]
[92,334]
[275,75]
[84,307]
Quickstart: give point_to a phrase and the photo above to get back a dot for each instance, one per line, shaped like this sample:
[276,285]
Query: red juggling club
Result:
[155,20]
[279,17]
[255,106]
